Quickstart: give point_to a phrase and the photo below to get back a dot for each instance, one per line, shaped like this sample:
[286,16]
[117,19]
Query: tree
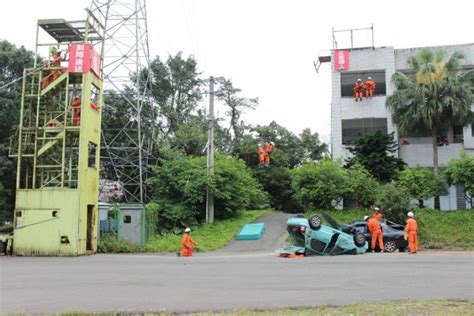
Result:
[461,171]
[12,62]
[438,96]
[363,186]
[180,189]
[290,150]
[320,184]
[176,89]
[420,183]
[276,181]
[313,148]
[374,152]
[394,202]
[237,105]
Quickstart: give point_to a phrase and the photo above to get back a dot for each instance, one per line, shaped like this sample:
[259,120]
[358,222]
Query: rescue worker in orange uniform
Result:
[411,231]
[268,150]
[187,244]
[359,88]
[377,214]
[369,88]
[376,233]
[76,111]
[261,155]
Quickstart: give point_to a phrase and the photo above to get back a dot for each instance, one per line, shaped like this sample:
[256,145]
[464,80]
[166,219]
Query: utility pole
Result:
[210,154]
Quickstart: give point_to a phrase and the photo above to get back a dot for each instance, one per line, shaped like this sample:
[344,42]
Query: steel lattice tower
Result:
[128,149]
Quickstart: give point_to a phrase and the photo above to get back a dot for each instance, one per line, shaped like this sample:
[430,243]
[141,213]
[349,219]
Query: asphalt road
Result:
[227,281]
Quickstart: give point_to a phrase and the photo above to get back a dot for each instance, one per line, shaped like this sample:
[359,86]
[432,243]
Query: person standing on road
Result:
[376,232]
[187,244]
[411,231]
[377,214]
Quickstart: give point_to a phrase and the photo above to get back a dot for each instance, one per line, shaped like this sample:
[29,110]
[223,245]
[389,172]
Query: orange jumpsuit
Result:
[187,245]
[376,232]
[369,88]
[76,111]
[377,215]
[268,151]
[261,155]
[359,90]
[412,229]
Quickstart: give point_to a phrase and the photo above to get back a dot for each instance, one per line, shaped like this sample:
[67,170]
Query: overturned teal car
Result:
[310,237]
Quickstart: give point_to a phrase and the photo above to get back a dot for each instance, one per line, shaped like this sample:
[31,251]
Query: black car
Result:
[393,234]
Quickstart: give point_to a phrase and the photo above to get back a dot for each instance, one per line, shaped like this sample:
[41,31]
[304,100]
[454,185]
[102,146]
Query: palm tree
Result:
[437,97]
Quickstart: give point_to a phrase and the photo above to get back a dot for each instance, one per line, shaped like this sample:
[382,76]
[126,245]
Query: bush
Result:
[420,183]
[320,185]
[109,244]
[276,181]
[363,186]
[393,202]
[180,191]
[461,171]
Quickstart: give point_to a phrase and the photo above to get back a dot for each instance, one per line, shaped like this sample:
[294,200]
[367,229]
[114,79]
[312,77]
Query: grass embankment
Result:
[389,308]
[208,237]
[442,230]
[436,308]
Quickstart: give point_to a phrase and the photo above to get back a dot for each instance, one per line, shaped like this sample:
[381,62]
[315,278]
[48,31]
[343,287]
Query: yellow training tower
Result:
[59,141]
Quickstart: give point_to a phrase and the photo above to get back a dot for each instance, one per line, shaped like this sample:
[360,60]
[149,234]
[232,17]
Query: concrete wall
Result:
[401,55]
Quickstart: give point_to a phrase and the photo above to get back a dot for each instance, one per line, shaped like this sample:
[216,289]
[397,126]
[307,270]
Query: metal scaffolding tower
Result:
[127,150]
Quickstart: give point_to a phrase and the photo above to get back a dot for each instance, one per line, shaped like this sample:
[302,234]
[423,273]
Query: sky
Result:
[267,47]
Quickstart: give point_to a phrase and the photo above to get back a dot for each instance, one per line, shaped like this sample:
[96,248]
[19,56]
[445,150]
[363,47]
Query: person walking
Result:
[376,232]
[187,244]
[411,233]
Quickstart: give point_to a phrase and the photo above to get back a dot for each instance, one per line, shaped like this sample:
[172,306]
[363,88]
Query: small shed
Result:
[124,221]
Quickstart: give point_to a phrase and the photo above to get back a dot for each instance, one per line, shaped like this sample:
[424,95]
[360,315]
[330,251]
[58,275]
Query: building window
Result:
[352,128]
[458,134]
[92,154]
[127,219]
[349,78]
[94,94]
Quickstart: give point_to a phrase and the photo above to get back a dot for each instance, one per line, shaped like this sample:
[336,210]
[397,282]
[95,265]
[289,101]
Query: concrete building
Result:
[348,118]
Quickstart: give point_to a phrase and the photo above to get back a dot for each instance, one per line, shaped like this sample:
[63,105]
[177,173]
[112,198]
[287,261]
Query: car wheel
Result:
[359,239]
[390,246]
[315,222]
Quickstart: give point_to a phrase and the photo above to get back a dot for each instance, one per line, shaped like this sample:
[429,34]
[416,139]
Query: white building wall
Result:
[419,152]
[336,127]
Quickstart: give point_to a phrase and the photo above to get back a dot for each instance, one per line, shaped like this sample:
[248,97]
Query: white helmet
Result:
[410,214]
[366,217]
[359,79]
[377,209]
[370,78]
[187,230]
[273,144]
